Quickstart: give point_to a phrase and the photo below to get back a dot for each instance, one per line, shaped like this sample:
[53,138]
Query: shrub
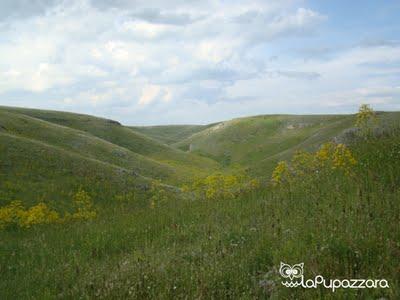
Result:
[281,173]
[83,204]
[306,166]
[219,186]
[9,214]
[159,194]
[38,214]
[366,119]
[14,214]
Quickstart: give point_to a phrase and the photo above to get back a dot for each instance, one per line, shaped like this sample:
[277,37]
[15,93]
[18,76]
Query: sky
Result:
[196,62]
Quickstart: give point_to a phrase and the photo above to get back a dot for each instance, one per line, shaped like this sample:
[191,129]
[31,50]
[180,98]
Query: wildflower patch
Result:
[221,186]
[329,158]
[15,214]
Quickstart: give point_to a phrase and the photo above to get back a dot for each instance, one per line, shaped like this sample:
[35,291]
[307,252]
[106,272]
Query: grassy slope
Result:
[34,171]
[258,142]
[340,228]
[170,134]
[125,140]
[80,142]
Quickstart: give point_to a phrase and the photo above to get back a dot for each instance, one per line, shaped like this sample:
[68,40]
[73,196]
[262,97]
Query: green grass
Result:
[47,156]
[33,171]
[220,249]
[79,142]
[192,248]
[247,141]
[258,143]
[75,131]
[170,134]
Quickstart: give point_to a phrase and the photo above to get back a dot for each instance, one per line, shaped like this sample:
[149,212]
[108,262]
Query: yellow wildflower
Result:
[365,116]
[343,159]
[38,214]
[10,214]
[281,173]
[84,206]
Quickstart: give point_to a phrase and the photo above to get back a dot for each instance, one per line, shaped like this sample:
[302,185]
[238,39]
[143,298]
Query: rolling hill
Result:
[48,154]
[68,150]
[34,171]
[153,243]
[106,140]
[259,142]
[170,134]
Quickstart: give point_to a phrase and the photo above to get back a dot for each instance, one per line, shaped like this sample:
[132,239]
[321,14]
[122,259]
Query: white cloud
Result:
[149,94]
[345,80]
[139,58]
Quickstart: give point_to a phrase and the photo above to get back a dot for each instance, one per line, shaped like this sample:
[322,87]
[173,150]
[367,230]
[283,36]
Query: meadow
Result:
[210,222]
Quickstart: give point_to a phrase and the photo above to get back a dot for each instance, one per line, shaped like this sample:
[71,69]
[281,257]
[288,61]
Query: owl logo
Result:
[291,272]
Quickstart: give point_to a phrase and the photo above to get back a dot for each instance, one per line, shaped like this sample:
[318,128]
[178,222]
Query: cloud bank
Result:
[157,62]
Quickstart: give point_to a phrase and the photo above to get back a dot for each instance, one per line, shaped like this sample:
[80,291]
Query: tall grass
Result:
[340,227]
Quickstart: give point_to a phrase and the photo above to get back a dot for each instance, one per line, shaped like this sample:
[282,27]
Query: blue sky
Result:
[179,62]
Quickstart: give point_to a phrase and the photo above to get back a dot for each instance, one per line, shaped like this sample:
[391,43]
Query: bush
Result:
[159,194]
[83,204]
[366,119]
[306,166]
[14,214]
[220,186]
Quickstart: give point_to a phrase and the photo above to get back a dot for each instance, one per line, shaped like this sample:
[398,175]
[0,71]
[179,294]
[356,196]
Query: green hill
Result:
[256,141]
[32,170]
[108,148]
[47,155]
[170,134]
[79,142]
[176,153]
[338,212]
[108,141]
[259,142]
